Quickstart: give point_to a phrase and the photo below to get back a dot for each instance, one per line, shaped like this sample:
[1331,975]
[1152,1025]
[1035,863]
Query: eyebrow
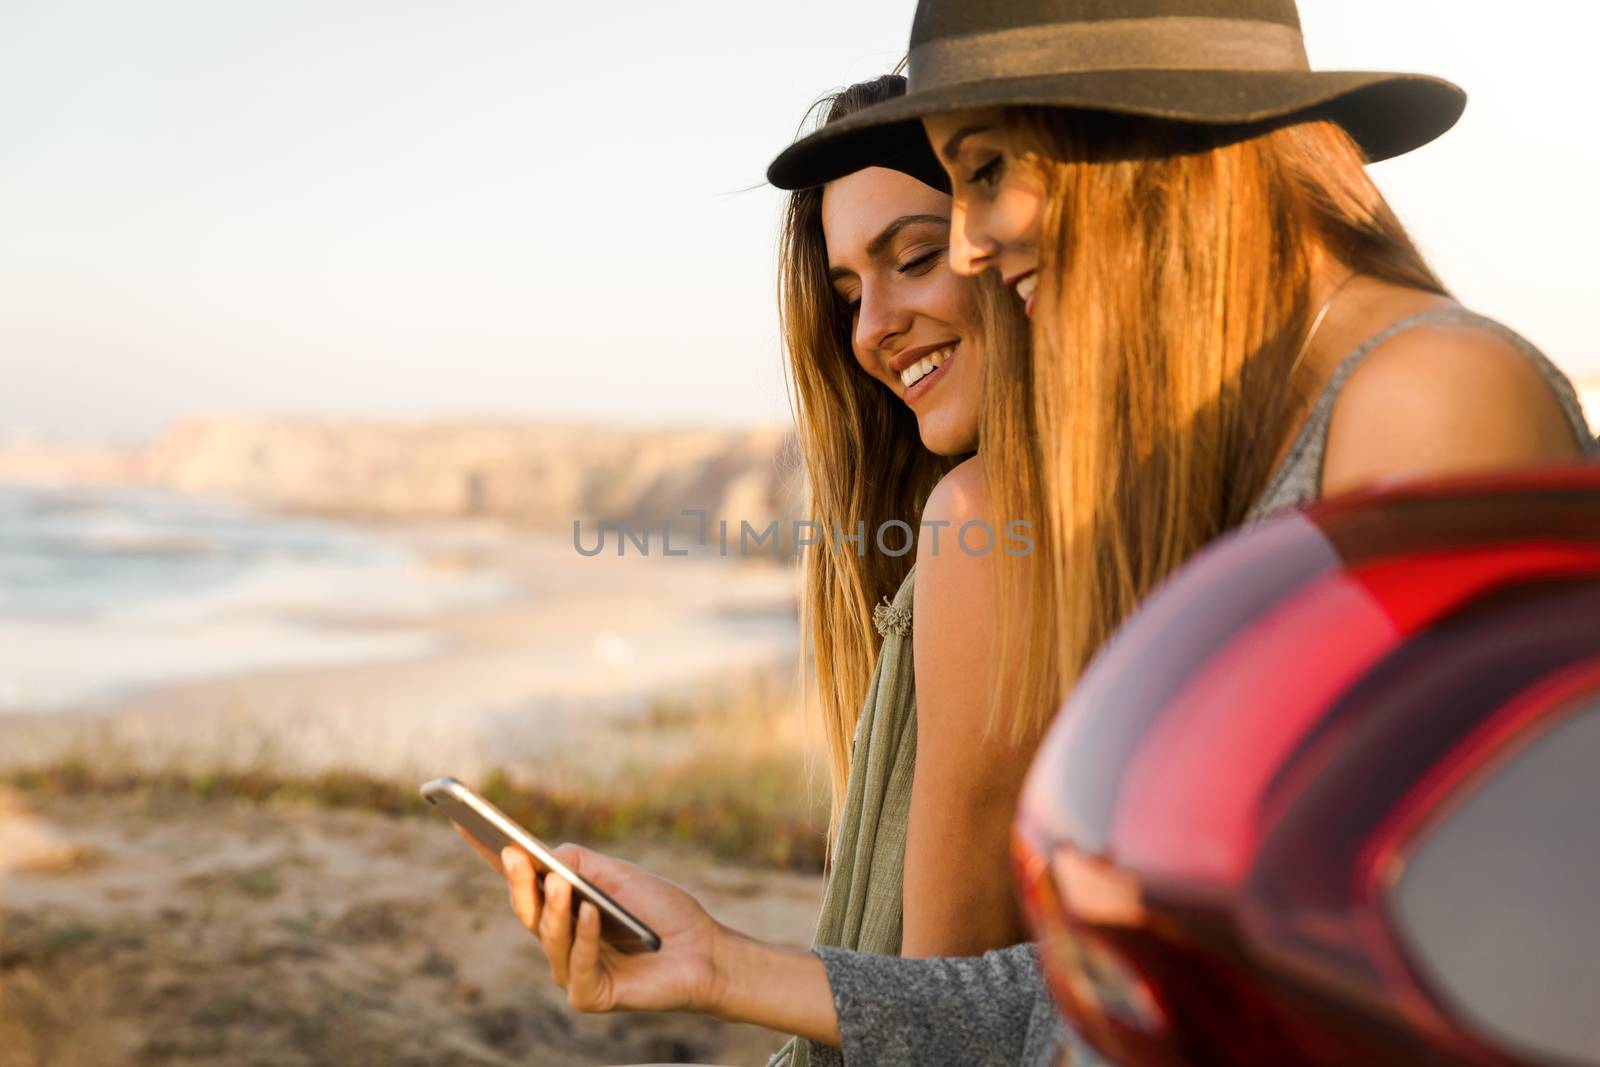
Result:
[954,143]
[876,246]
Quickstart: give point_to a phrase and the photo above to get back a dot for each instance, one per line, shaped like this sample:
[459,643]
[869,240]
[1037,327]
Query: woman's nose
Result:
[972,251]
[880,319]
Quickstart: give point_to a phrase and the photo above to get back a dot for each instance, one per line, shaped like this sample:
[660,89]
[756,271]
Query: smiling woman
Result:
[1263,332]
[1229,319]
[888,353]
[887,235]
[898,340]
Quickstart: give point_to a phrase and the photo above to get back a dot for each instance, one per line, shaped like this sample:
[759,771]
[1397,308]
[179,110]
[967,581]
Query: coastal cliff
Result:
[530,474]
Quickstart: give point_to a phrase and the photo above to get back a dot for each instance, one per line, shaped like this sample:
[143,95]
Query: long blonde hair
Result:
[1148,422]
[863,457]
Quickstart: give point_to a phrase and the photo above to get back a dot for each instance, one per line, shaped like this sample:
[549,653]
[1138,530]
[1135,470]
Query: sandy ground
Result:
[158,928]
[176,931]
[533,684]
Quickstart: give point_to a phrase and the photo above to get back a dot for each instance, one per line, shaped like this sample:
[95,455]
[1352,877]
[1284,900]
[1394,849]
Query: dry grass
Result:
[732,776]
[225,916]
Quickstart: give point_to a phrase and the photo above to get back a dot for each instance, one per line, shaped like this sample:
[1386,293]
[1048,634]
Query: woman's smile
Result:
[920,370]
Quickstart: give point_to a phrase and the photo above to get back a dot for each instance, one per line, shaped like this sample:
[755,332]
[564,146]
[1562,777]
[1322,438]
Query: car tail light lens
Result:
[1299,811]
[1096,983]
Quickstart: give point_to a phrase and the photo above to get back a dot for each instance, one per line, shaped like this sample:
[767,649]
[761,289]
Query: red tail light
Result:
[1085,968]
[1248,837]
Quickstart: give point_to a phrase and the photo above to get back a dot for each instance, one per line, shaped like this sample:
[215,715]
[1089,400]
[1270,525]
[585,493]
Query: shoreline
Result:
[553,669]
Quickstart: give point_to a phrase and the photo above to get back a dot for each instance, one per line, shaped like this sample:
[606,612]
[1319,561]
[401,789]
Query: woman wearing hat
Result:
[887,351]
[1228,318]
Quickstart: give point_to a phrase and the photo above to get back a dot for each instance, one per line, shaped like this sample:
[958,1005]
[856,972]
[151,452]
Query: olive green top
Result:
[862,903]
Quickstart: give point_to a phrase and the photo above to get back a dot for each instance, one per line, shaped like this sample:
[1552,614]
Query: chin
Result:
[942,438]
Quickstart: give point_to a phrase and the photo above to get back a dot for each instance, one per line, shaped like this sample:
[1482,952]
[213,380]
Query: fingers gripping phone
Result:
[492,828]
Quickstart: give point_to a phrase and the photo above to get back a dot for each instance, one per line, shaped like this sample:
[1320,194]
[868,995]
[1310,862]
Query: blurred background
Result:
[321,326]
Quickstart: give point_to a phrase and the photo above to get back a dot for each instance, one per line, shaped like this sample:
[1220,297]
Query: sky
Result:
[406,209]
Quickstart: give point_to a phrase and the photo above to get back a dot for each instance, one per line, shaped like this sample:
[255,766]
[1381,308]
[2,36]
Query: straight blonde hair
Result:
[1180,264]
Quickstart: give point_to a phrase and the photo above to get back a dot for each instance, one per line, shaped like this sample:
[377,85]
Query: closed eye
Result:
[988,173]
[921,263]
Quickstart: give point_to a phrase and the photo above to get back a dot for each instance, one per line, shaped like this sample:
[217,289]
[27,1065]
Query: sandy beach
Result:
[166,930]
[236,871]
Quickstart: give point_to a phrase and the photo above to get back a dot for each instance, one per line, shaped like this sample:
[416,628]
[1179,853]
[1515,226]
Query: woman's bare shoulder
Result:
[953,571]
[960,495]
[1442,399]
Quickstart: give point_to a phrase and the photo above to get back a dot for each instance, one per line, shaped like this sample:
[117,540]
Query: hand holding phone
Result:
[702,965]
[493,831]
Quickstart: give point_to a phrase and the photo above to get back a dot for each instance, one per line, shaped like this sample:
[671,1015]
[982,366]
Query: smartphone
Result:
[491,827]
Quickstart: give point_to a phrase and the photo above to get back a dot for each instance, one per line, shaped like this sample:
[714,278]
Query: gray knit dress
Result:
[994,1010]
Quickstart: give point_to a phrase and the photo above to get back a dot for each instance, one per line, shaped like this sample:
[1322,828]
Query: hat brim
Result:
[901,146]
[1386,114]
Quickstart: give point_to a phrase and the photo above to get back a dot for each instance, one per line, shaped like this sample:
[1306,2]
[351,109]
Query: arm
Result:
[883,1010]
[1438,401]
[959,899]
[987,1010]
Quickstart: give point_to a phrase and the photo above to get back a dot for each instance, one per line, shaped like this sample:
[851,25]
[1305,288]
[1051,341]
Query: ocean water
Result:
[106,591]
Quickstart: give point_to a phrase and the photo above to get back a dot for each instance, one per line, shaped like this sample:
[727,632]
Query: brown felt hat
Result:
[1237,63]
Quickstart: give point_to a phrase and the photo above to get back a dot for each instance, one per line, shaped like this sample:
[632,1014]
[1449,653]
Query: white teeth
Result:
[925,366]
[1026,287]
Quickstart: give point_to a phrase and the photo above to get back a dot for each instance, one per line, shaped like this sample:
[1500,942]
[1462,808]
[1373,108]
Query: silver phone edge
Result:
[485,809]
